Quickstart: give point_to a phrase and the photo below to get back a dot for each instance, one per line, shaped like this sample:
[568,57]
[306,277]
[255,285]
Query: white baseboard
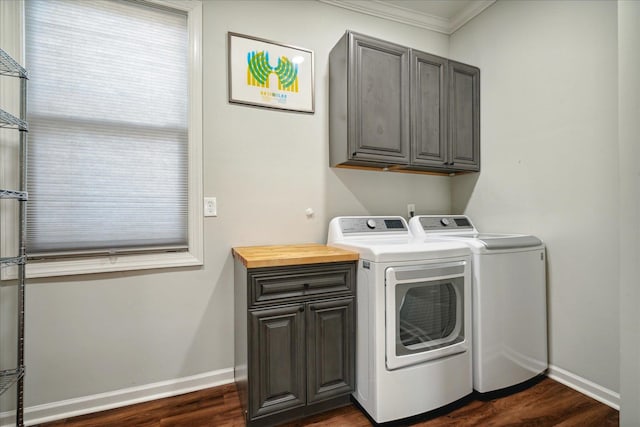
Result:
[115,399]
[584,386]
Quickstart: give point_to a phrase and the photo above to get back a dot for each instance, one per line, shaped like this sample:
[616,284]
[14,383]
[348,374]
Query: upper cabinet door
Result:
[464,116]
[379,127]
[429,110]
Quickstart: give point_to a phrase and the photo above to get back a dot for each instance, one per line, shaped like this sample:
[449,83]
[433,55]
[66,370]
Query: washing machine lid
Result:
[503,241]
[460,227]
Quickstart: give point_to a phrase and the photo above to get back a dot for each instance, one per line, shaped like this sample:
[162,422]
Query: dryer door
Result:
[425,318]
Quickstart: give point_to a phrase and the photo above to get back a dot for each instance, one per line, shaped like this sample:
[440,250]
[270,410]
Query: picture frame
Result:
[269,74]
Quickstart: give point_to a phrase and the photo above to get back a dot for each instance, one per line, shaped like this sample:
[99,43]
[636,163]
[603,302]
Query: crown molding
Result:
[474,9]
[392,12]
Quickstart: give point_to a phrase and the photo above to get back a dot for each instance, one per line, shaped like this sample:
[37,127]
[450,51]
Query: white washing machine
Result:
[413,329]
[509,300]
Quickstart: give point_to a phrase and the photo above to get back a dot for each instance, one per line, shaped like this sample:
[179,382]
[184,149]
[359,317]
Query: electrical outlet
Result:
[411,210]
[210,206]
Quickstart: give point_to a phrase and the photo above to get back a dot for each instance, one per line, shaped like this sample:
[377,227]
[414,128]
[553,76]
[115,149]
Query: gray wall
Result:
[550,161]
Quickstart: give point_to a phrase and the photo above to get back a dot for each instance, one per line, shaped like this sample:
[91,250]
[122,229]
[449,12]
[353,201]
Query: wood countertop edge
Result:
[290,255]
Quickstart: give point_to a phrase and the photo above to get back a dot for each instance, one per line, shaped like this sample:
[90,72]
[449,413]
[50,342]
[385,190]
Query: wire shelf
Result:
[12,194]
[9,121]
[9,67]
[9,377]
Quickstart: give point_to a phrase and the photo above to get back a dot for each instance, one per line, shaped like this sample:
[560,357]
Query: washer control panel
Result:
[373,225]
[446,223]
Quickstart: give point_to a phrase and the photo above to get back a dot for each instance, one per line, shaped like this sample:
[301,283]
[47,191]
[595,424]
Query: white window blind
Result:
[108,138]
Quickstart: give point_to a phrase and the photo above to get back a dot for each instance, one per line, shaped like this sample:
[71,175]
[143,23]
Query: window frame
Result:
[12,35]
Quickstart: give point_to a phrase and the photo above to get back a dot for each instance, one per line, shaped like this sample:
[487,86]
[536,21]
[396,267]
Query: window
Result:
[114,110]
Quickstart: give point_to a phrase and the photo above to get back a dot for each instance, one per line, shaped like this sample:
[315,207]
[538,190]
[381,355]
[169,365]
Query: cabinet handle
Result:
[312,308]
[301,309]
[306,286]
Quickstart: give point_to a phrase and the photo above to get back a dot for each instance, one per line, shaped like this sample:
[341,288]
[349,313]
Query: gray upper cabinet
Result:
[369,102]
[398,108]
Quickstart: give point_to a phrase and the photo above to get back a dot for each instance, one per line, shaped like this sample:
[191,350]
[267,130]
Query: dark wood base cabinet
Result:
[294,340]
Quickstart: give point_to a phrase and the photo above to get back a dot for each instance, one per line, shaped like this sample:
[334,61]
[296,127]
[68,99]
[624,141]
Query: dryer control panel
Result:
[372,225]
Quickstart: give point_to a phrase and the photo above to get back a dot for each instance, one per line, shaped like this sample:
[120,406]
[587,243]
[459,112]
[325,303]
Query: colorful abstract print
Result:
[259,70]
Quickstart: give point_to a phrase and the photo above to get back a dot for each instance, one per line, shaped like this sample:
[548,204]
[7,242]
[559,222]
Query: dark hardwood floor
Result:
[546,403]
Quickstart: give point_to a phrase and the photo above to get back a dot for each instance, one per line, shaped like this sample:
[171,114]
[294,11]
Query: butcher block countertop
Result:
[283,255]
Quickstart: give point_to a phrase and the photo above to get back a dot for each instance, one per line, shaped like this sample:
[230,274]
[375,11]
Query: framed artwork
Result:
[268,74]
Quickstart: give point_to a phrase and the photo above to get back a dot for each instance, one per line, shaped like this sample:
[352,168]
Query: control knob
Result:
[445,221]
[371,223]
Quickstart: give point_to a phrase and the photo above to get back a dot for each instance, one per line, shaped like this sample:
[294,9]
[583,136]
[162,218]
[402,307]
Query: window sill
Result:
[104,264]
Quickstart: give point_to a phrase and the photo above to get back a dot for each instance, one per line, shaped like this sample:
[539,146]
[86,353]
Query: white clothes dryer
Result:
[509,300]
[413,329]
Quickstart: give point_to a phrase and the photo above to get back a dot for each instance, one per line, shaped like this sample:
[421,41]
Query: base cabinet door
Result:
[278,359]
[330,337]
